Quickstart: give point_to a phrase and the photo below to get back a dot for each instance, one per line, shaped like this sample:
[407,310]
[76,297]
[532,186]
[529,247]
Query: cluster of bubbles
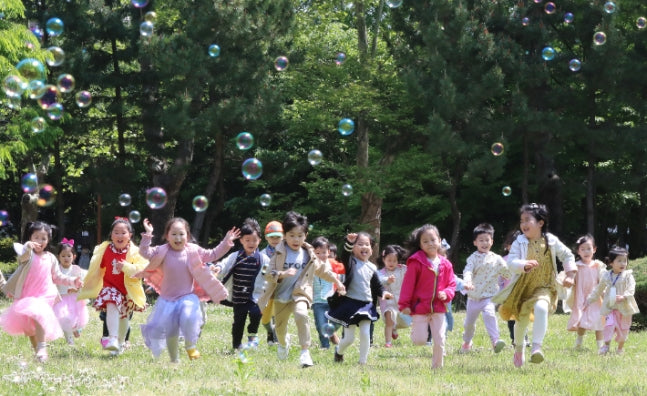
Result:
[46,193]
[147,27]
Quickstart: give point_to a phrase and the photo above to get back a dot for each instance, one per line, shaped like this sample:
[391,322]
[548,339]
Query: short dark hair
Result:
[483,228]
[293,219]
[321,241]
[249,227]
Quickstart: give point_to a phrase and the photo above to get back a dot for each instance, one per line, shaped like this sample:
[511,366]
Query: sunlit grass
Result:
[403,369]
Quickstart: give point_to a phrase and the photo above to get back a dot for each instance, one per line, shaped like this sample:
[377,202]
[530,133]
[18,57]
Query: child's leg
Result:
[282,313]
[238,326]
[511,330]
[254,319]
[112,320]
[389,324]
[520,327]
[319,311]
[190,321]
[267,322]
[449,317]
[580,337]
[540,325]
[419,329]
[124,328]
[302,320]
[173,347]
[438,326]
[473,309]
[347,339]
[41,346]
[489,320]
[364,340]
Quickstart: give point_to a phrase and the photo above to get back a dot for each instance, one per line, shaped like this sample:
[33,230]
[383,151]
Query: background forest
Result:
[431,86]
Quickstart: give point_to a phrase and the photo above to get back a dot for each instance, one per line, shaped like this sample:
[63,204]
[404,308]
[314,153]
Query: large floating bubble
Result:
[29,183]
[214,50]
[244,141]
[265,200]
[346,126]
[32,69]
[156,198]
[46,195]
[13,86]
[281,63]
[125,199]
[200,203]
[83,99]
[54,27]
[252,169]
[315,157]
[65,83]
[55,111]
[146,29]
[56,56]
[548,53]
[50,96]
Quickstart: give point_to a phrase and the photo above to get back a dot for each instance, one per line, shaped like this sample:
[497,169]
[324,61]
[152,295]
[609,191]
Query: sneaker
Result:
[282,352]
[252,342]
[603,350]
[619,351]
[193,353]
[112,344]
[41,355]
[338,358]
[388,345]
[498,346]
[537,356]
[466,347]
[104,342]
[394,334]
[518,358]
[70,340]
[305,359]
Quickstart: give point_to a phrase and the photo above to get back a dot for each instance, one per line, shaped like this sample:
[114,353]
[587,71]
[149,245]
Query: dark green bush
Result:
[6,250]
[639,267]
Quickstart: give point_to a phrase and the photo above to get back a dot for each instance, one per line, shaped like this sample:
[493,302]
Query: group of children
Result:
[290,276]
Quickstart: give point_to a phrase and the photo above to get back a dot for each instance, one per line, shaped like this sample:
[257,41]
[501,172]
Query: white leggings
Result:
[539,326]
[117,327]
[364,340]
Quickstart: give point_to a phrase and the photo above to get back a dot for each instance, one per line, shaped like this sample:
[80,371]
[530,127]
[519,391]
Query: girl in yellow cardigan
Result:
[111,283]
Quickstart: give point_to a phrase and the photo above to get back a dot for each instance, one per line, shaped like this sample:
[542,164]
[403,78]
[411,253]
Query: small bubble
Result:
[134,216]
[281,63]
[497,149]
[340,58]
[54,27]
[641,22]
[29,183]
[574,65]
[548,53]
[328,330]
[125,200]
[347,190]
[200,203]
[156,198]
[315,157]
[506,191]
[214,50]
[265,200]
[599,38]
[244,140]
[550,8]
[610,7]
[346,126]
[569,17]
[46,195]
[146,29]
[252,169]
[38,124]
[525,21]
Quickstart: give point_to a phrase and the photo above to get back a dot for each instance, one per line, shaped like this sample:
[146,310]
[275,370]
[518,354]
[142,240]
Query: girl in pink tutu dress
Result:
[589,272]
[33,289]
[72,314]
[177,271]
[111,282]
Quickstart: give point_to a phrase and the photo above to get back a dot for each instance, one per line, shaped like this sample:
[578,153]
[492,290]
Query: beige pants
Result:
[282,312]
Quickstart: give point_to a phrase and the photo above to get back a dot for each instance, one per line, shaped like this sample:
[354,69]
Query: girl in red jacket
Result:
[427,288]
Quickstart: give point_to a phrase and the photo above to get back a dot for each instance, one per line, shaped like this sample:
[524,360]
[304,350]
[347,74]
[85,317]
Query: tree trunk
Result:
[212,184]
[590,196]
[456,219]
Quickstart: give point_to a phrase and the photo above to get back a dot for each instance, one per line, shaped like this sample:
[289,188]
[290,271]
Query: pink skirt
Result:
[21,318]
[71,314]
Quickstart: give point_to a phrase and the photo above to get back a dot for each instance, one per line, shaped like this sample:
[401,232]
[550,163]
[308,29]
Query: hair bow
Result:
[120,218]
[66,241]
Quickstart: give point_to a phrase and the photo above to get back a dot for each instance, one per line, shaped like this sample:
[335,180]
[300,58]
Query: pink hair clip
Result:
[66,241]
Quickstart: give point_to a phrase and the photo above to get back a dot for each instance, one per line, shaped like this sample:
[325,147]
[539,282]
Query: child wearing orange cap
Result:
[273,236]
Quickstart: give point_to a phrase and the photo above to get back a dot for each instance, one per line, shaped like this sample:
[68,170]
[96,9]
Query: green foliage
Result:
[6,250]
[639,268]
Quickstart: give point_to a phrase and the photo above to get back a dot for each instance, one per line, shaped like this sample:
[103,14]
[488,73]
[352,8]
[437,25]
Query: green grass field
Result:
[402,370]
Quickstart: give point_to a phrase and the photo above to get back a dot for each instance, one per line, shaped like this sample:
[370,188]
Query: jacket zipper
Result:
[435,286]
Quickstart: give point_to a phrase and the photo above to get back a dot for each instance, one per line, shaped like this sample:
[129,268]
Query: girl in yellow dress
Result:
[532,294]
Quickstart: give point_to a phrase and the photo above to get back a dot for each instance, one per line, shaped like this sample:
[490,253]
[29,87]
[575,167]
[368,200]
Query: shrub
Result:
[639,267]
[6,250]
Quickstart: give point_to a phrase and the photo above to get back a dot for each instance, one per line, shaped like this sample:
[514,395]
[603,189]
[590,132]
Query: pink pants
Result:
[474,308]
[419,331]
[616,323]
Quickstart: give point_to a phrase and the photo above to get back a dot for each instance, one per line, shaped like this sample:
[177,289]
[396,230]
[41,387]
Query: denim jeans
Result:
[319,310]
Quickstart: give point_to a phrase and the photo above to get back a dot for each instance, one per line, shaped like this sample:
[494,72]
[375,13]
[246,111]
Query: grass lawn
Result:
[401,370]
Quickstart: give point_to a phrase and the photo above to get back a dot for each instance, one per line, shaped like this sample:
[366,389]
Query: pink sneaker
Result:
[42,355]
[518,358]
[603,350]
[466,347]
[388,345]
[104,342]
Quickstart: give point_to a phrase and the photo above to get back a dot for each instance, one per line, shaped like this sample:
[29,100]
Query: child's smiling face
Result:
[362,248]
[120,235]
[177,236]
[530,226]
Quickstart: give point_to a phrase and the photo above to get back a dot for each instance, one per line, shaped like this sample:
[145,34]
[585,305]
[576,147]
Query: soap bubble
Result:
[610,7]
[146,29]
[125,199]
[538,1]
[36,89]
[506,191]
[31,69]
[29,183]
[54,27]
[50,96]
[200,203]
[394,3]
[150,16]
[550,8]
[281,63]
[38,124]
[340,58]
[265,200]
[244,140]
[56,56]
[347,190]
[134,216]
[315,157]
[65,83]
[569,17]
[252,169]
[525,21]
[575,65]
[497,149]
[13,86]
[55,111]
[641,22]
[328,329]
[14,103]
[139,3]
[37,32]
[46,195]
[4,217]
[346,126]
[156,198]
[83,99]
[214,50]
[599,38]
[548,53]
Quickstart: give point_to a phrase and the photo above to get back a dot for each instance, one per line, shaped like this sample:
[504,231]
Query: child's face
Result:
[66,257]
[430,243]
[390,261]
[40,239]
[483,242]
[295,238]
[250,243]
[530,226]
[362,249]
[273,240]
[619,264]
[322,253]
[586,251]
[177,236]
[120,235]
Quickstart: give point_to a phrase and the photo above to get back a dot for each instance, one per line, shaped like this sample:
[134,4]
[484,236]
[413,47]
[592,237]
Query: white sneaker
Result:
[305,359]
[282,352]
[112,344]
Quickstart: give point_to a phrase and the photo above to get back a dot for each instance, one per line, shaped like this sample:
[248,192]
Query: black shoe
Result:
[338,358]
